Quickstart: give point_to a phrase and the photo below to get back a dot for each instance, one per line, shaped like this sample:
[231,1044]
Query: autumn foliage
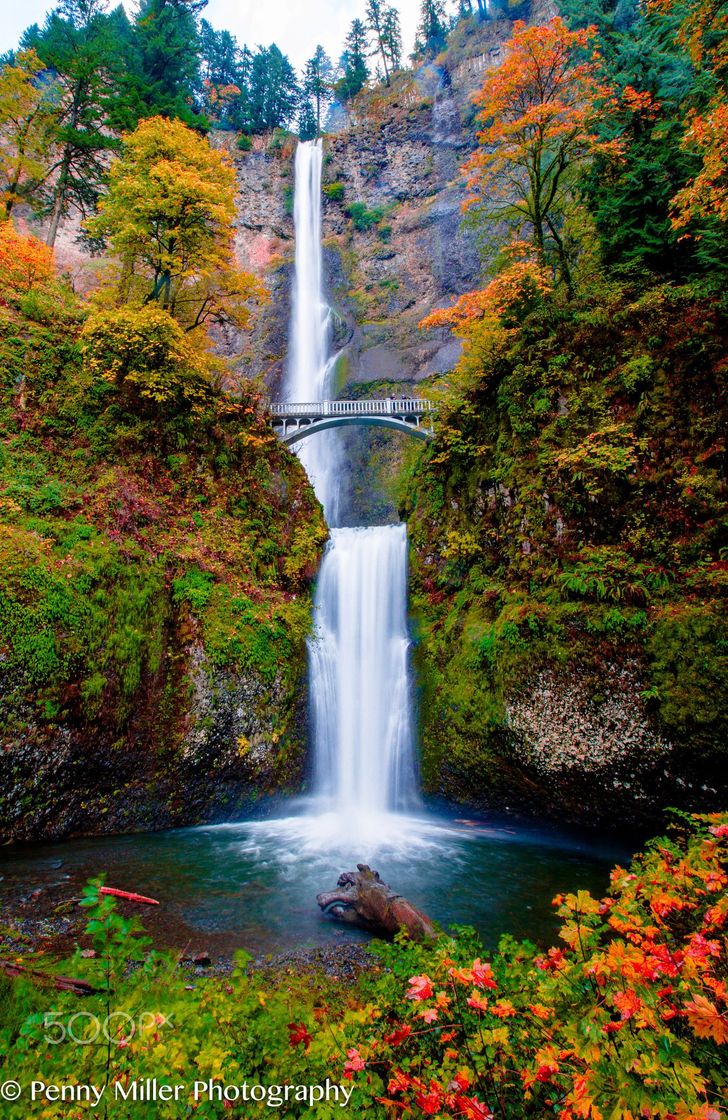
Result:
[517,286]
[706,196]
[703,34]
[626,1018]
[25,262]
[538,114]
[146,356]
[168,218]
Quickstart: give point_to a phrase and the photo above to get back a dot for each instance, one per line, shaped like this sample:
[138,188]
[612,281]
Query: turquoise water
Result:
[253,884]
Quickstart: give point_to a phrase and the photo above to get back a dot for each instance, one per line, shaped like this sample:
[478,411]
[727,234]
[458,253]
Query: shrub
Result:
[25,262]
[244,142]
[627,1017]
[334,191]
[362,218]
[148,357]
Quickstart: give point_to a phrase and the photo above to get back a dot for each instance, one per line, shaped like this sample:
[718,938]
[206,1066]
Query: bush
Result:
[25,262]
[628,1017]
[148,357]
[334,191]
[244,142]
[363,218]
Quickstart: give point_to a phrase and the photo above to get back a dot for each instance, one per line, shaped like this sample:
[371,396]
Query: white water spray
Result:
[359,680]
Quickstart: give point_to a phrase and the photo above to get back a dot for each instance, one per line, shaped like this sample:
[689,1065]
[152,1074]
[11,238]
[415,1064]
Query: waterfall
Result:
[358,656]
[310,368]
[359,672]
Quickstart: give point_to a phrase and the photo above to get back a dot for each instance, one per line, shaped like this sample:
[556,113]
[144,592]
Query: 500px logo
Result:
[84,1029]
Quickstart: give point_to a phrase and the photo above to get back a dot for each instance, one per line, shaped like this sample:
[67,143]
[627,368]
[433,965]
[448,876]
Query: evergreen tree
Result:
[219,55]
[168,46]
[392,39]
[630,200]
[223,79]
[272,91]
[317,84]
[355,71]
[78,47]
[433,28]
[382,22]
[307,128]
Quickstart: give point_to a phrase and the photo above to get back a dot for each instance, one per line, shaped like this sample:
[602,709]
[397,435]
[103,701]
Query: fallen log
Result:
[61,983]
[362,899]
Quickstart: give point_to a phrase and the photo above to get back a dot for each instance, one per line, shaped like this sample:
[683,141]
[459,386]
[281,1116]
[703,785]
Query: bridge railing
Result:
[389,406]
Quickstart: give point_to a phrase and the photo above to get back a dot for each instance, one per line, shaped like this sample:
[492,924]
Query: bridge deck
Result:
[388,406]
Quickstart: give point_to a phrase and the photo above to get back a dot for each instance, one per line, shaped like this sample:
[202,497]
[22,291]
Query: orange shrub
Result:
[25,262]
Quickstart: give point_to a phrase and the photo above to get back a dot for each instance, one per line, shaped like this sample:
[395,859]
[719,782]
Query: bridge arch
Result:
[295,422]
[304,430]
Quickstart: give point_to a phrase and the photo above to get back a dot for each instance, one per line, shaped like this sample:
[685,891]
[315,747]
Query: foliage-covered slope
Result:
[566,525]
[153,590]
[568,520]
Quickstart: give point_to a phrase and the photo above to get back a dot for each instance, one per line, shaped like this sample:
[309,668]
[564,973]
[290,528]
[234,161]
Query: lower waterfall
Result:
[359,680]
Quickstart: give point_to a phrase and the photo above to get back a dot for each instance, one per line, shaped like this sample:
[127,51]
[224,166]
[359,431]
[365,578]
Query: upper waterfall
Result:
[310,366]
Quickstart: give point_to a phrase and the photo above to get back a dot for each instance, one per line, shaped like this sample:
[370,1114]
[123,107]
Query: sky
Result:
[297,26]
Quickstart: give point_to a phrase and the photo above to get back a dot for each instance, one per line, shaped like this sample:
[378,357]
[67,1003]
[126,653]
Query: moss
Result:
[567,516]
[125,542]
[334,191]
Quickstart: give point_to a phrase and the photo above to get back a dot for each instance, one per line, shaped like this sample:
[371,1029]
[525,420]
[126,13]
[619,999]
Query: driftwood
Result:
[61,983]
[362,899]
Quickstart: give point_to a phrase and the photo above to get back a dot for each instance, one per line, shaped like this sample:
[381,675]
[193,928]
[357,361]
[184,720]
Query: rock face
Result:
[395,243]
[204,744]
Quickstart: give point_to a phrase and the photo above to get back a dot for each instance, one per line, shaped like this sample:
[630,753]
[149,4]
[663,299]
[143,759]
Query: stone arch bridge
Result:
[294,422]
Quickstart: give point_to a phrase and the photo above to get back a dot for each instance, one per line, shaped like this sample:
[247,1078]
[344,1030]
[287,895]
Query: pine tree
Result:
[272,91]
[168,46]
[392,39]
[433,27]
[383,23]
[317,83]
[355,72]
[221,73]
[307,128]
[76,44]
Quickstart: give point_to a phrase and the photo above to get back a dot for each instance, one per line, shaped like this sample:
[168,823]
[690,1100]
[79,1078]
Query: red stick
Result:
[128,895]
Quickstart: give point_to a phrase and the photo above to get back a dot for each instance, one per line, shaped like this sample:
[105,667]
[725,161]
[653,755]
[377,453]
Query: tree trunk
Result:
[59,199]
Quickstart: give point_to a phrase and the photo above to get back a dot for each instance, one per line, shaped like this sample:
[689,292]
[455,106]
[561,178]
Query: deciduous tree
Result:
[25,262]
[28,115]
[168,219]
[704,34]
[538,111]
